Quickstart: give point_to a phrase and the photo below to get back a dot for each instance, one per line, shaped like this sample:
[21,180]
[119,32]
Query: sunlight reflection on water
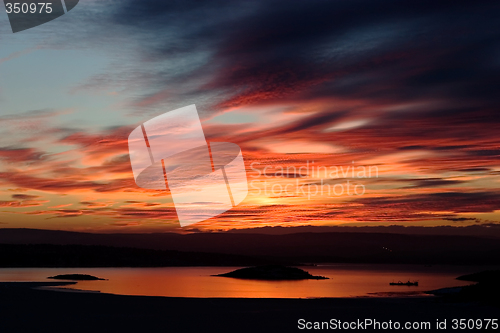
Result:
[349,280]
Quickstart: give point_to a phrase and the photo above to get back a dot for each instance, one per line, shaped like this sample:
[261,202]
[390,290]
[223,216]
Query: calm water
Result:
[345,281]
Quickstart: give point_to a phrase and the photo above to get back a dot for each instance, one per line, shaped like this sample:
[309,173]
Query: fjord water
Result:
[351,280]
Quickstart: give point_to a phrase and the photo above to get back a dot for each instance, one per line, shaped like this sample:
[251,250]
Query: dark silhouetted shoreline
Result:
[33,310]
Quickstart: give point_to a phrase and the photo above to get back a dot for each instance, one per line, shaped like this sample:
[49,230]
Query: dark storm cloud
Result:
[462,219]
[24,196]
[27,155]
[433,182]
[472,202]
[313,121]
[379,50]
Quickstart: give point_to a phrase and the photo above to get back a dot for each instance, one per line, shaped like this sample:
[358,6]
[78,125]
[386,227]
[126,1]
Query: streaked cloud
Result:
[409,87]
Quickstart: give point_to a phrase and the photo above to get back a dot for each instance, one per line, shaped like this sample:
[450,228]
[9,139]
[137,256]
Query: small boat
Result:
[409,283]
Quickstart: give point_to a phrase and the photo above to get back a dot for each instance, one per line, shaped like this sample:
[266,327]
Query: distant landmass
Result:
[484,230]
[486,289]
[482,277]
[46,248]
[272,272]
[45,255]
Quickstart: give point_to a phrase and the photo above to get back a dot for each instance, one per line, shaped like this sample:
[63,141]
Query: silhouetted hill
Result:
[104,256]
[295,248]
[271,272]
[483,230]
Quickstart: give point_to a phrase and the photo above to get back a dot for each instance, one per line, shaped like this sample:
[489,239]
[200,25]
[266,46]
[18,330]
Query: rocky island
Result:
[76,277]
[272,272]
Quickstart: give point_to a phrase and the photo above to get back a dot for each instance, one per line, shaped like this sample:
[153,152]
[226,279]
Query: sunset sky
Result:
[310,91]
